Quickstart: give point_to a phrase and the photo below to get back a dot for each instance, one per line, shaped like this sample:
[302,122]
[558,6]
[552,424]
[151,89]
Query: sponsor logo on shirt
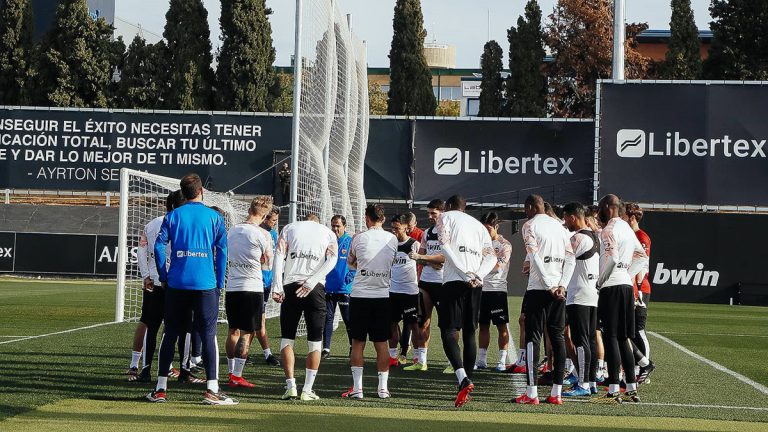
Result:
[246,266]
[433,247]
[698,277]
[191,254]
[557,260]
[621,265]
[637,143]
[374,274]
[452,161]
[591,277]
[470,251]
[399,261]
[304,255]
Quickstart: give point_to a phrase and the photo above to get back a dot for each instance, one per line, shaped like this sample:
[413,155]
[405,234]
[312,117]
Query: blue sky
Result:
[463,23]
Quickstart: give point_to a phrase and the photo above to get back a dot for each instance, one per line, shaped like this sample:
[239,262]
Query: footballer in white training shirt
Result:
[249,252]
[308,251]
[404,289]
[370,253]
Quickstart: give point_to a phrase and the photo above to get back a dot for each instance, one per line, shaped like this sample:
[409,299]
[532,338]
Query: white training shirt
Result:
[496,281]
[622,256]
[432,246]
[374,251]
[404,274]
[549,251]
[249,251]
[310,251]
[582,290]
[146,252]
[467,246]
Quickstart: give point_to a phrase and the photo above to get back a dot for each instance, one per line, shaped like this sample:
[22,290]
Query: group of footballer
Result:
[585,301]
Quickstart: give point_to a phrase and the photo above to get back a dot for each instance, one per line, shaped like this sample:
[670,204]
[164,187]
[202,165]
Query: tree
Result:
[683,60]
[377,100]
[739,49]
[580,36]
[448,108]
[143,75]
[281,93]
[190,78]
[410,91]
[527,84]
[491,87]
[74,64]
[15,50]
[244,74]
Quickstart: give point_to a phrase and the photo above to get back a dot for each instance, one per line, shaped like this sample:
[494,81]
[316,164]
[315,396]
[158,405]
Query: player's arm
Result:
[646,243]
[444,235]
[277,269]
[267,256]
[639,265]
[143,258]
[352,255]
[220,255]
[609,256]
[490,260]
[331,257]
[568,266]
[160,245]
[532,251]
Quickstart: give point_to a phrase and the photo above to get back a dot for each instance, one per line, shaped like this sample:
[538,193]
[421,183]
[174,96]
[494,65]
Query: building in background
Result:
[44,14]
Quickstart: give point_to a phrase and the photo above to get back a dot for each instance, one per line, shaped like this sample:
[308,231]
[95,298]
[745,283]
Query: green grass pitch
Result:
[74,381]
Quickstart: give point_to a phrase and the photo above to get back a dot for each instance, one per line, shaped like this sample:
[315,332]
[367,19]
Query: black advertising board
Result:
[504,161]
[702,257]
[7,251]
[691,144]
[388,159]
[55,253]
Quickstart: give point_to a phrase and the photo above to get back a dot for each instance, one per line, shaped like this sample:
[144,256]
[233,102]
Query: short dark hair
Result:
[535,201]
[574,209]
[341,218]
[633,209]
[456,202]
[312,217]
[436,204]
[591,211]
[191,186]
[490,218]
[402,219]
[375,212]
[174,200]
[275,210]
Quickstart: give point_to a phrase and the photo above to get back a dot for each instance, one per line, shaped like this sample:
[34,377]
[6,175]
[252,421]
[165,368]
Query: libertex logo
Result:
[637,143]
[447,161]
[453,161]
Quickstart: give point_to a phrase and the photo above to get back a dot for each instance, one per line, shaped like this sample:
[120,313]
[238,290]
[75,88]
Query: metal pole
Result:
[122,246]
[297,64]
[619,35]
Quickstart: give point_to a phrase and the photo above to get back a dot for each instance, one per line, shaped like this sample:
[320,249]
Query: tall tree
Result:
[527,84]
[190,78]
[580,35]
[683,60]
[143,75]
[740,49]
[244,74]
[15,50]
[491,87]
[74,64]
[410,91]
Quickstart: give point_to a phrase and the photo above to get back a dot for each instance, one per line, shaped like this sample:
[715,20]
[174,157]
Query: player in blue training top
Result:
[194,281]
[338,285]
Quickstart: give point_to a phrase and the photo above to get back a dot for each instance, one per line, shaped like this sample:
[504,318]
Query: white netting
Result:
[359,143]
[147,194]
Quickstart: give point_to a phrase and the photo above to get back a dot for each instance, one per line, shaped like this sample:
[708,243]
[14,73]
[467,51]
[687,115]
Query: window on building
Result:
[473,107]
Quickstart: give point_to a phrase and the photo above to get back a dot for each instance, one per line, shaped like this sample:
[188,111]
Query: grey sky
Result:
[463,23]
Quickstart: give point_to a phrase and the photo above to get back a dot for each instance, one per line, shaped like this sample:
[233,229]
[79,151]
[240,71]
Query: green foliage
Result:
[245,75]
[190,78]
[410,91]
[491,88]
[740,48]
[281,93]
[527,84]
[377,100]
[143,77]
[683,60]
[448,108]
[15,50]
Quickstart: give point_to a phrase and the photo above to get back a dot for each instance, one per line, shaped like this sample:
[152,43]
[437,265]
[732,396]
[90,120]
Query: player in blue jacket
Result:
[338,285]
[194,281]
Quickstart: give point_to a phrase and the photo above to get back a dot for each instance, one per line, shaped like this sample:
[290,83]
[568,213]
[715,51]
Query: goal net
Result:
[142,198]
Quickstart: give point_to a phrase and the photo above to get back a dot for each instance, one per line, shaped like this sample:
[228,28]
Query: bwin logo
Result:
[447,161]
[698,277]
[630,143]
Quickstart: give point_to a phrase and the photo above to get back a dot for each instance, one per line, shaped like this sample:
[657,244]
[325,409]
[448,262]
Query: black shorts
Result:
[312,306]
[267,295]
[369,318]
[152,306]
[403,307]
[459,306]
[522,305]
[616,311]
[641,316]
[582,321]
[494,308]
[244,310]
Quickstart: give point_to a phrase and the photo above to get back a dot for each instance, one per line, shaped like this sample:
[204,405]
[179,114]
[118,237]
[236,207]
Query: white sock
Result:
[309,380]
[637,370]
[631,387]
[557,390]
[592,385]
[162,383]
[483,358]
[601,364]
[584,385]
[290,383]
[503,357]
[196,360]
[357,379]
[613,388]
[135,357]
[213,386]
[238,369]
[460,374]
[520,357]
[568,365]
[532,392]
[267,353]
[423,356]
[643,362]
[393,352]
[383,378]
[231,364]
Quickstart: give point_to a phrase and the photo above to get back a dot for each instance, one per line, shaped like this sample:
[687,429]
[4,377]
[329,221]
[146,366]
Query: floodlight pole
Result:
[619,35]
[297,65]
